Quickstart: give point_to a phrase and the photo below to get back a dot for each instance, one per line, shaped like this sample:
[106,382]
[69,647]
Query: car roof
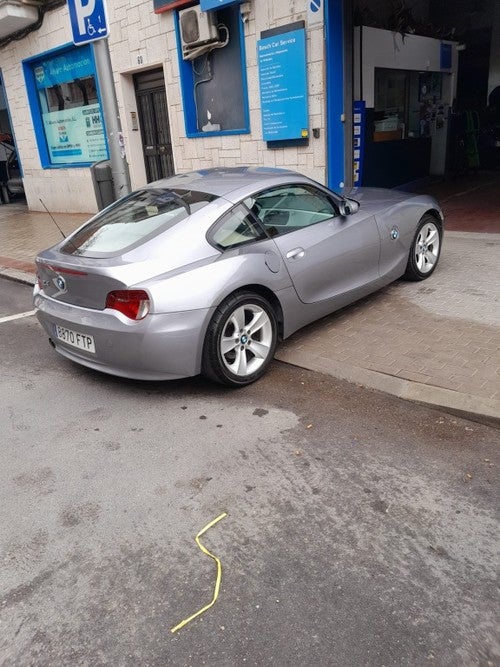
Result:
[226,180]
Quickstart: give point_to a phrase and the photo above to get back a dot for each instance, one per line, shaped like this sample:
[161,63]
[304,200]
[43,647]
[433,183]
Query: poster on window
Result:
[70,109]
[75,136]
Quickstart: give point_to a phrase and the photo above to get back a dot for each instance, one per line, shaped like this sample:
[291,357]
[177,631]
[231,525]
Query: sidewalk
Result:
[23,234]
[436,342]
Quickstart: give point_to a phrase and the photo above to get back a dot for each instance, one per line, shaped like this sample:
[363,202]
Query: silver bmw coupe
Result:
[204,272]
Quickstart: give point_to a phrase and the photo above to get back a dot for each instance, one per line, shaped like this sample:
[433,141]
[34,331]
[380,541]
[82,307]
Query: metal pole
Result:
[119,166]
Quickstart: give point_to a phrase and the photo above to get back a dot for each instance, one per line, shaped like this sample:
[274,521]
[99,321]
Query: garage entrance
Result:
[424,74]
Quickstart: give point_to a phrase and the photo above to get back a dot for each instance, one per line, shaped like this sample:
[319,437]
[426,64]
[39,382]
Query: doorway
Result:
[11,181]
[155,127]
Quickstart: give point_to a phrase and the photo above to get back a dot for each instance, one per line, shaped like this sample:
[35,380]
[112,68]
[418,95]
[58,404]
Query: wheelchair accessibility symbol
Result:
[91,31]
[88,20]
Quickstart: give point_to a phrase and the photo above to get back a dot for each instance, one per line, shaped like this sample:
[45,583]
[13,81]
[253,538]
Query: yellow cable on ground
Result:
[219,574]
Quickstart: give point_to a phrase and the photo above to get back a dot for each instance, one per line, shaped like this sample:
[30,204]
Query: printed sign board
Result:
[358,140]
[71,113]
[282,66]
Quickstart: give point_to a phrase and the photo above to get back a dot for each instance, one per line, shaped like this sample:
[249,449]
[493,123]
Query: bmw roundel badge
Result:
[394,233]
[61,283]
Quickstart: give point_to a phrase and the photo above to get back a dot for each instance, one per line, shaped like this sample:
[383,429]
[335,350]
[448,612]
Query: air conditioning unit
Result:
[197,28]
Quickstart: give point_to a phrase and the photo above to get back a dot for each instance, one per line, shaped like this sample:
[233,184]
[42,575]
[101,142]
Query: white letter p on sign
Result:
[83,9]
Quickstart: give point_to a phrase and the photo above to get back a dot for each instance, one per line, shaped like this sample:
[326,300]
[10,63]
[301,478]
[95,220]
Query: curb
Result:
[472,407]
[17,275]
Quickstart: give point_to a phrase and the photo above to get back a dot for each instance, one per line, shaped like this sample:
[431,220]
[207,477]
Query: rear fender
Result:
[206,286]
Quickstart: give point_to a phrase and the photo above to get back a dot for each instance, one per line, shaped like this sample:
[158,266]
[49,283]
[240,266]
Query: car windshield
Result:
[134,220]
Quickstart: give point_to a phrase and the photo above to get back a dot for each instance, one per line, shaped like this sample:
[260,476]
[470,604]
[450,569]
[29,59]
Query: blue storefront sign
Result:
[209,5]
[53,71]
[283,85]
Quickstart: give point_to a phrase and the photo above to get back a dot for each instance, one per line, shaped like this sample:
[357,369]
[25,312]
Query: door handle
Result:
[296,253]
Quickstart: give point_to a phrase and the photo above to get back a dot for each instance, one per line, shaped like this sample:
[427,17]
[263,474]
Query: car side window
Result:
[234,229]
[288,208]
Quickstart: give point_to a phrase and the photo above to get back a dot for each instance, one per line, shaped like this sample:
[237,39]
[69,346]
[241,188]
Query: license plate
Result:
[75,339]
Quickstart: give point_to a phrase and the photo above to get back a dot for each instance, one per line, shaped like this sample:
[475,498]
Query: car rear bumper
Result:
[160,347]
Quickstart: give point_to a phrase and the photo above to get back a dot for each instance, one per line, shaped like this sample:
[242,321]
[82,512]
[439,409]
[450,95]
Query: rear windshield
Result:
[134,220]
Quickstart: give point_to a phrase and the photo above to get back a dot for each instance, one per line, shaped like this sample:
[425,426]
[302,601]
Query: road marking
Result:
[9,318]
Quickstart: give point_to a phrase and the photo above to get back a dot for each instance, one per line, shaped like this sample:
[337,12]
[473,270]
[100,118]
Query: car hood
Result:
[374,201]
[376,198]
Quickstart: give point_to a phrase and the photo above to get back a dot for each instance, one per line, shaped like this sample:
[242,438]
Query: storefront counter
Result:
[388,164]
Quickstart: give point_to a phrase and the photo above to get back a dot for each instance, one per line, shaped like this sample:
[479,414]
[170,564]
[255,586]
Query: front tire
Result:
[425,249]
[240,341]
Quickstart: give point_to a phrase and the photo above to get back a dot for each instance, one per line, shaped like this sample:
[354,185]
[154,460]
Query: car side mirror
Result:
[348,207]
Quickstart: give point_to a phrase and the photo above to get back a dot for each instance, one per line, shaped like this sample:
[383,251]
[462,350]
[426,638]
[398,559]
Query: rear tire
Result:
[240,341]
[425,249]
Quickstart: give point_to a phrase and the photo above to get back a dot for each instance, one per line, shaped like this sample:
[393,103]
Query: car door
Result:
[326,254]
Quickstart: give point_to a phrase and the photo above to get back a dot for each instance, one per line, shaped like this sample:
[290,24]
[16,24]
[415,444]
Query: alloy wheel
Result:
[246,340]
[427,247]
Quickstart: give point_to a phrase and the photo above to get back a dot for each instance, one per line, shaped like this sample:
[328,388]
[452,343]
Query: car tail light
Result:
[133,303]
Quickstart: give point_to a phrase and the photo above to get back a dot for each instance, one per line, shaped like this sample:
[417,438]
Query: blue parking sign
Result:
[88,20]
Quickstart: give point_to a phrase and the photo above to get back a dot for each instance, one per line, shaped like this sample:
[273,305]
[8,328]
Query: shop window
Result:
[212,71]
[407,104]
[391,104]
[65,107]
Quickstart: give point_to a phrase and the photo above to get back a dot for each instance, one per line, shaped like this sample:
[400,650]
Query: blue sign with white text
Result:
[71,65]
[88,20]
[208,5]
[283,86]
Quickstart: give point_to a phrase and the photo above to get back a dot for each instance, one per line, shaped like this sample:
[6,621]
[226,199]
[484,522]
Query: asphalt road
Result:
[361,530]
